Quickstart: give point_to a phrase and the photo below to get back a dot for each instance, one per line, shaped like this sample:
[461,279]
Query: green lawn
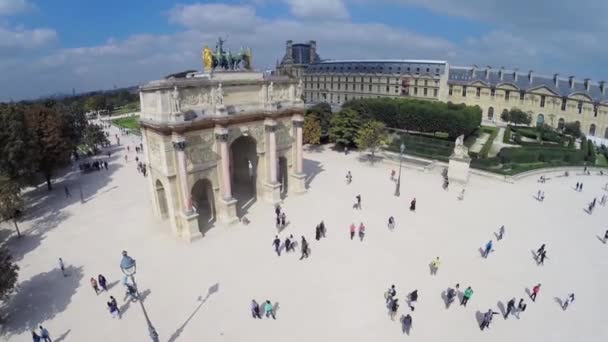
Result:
[131,123]
[600,160]
[128,108]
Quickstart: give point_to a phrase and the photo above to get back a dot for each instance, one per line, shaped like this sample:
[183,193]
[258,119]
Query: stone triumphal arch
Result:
[217,142]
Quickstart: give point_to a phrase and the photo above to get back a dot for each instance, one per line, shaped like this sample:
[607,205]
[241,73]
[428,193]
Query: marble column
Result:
[189,218]
[298,177]
[226,206]
[273,188]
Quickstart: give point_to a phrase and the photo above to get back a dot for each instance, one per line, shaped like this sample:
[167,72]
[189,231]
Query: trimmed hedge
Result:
[483,153]
[531,155]
[507,135]
[423,146]
[419,115]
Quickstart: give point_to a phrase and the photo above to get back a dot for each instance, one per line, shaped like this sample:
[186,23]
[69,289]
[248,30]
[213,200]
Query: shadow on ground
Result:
[312,168]
[40,299]
[213,289]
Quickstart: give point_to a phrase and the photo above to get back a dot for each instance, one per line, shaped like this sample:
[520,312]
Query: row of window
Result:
[310,79]
[371,68]
[522,94]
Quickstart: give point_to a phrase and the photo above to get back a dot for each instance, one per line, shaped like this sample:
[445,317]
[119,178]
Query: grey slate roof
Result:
[464,75]
[300,54]
[394,66]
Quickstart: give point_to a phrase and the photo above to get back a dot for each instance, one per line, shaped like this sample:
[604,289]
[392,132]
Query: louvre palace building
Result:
[548,99]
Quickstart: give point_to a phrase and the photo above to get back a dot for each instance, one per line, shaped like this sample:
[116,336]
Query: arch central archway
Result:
[204,203]
[244,172]
[161,197]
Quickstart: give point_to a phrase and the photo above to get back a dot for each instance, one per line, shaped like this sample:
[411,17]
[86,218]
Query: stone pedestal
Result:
[272,192]
[458,169]
[191,231]
[226,211]
[297,183]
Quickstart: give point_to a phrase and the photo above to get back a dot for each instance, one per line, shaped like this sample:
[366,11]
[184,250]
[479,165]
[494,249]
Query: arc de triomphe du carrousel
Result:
[217,140]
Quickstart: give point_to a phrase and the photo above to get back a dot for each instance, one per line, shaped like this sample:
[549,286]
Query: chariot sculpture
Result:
[226,60]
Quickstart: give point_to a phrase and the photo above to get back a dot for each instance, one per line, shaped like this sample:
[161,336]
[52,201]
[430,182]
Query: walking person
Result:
[521,306]
[510,307]
[361,231]
[412,299]
[568,300]
[62,267]
[468,293]
[413,205]
[435,266]
[349,177]
[304,248]
[358,198]
[102,282]
[94,285]
[35,337]
[393,307]
[580,188]
[277,244]
[353,229]
[488,249]
[501,232]
[606,236]
[451,294]
[277,210]
[391,223]
[113,309]
[317,233]
[406,322]
[283,220]
[67,191]
[541,260]
[44,334]
[535,291]
[322,228]
[390,294]
[255,309]
[487,319]
[540,250]
[269,310]
[287,244]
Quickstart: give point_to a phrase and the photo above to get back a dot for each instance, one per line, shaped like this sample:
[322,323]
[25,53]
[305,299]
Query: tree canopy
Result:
[11,203]
[322,111]
[419,115]
[312,130]
[344,127]
[516,116]
[8,274]
[371,136]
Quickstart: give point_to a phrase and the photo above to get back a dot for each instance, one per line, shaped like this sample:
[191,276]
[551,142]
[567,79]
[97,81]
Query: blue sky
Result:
[51,46]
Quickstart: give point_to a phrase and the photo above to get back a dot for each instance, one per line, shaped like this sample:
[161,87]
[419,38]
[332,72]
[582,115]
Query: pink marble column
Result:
[272,153]
[298,123]
[180,149]
[222,141]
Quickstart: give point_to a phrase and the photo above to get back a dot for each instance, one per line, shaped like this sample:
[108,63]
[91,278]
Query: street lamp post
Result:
[128,267]
[398,188]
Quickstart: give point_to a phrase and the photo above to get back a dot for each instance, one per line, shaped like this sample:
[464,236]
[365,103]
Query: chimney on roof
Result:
[474,70]
[501,73]
[602,87]
[571,82]
[587,84]
[488,68]
[530,76]
[515,75]
[313,51]
[556,80]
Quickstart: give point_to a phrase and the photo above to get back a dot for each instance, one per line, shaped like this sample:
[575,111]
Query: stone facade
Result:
[550,100]
[190,127]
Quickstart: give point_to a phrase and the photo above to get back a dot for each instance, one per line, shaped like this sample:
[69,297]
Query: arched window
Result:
[592,130]
[540,120]
[491,113]
[561,123]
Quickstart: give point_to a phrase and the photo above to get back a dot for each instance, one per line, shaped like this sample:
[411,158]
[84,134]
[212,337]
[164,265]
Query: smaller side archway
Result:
[592,129]
[606,133]
[204,203]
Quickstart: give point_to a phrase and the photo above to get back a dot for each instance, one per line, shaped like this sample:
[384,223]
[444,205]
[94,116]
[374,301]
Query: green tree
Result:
[8,274]
[311,130]
[371,136]
[519,117]
[344,127]
[11,203]
[323,113]
[573,129]
[95,103]
[94,135]
[16,160]
[50,141]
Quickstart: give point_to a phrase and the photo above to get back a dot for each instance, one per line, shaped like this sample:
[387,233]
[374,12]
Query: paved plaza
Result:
[202,291]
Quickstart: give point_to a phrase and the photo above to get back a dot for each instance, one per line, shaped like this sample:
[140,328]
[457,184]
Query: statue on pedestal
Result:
[299,89]
[176,101]
[219,95]
[460,151]
[271,92]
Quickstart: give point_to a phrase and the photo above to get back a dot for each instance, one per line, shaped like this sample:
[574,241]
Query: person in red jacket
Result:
[535,291]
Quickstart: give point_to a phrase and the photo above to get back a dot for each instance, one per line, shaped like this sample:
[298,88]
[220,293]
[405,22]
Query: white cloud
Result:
[17,39]
[214,16]
[11,7]
[318,9]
